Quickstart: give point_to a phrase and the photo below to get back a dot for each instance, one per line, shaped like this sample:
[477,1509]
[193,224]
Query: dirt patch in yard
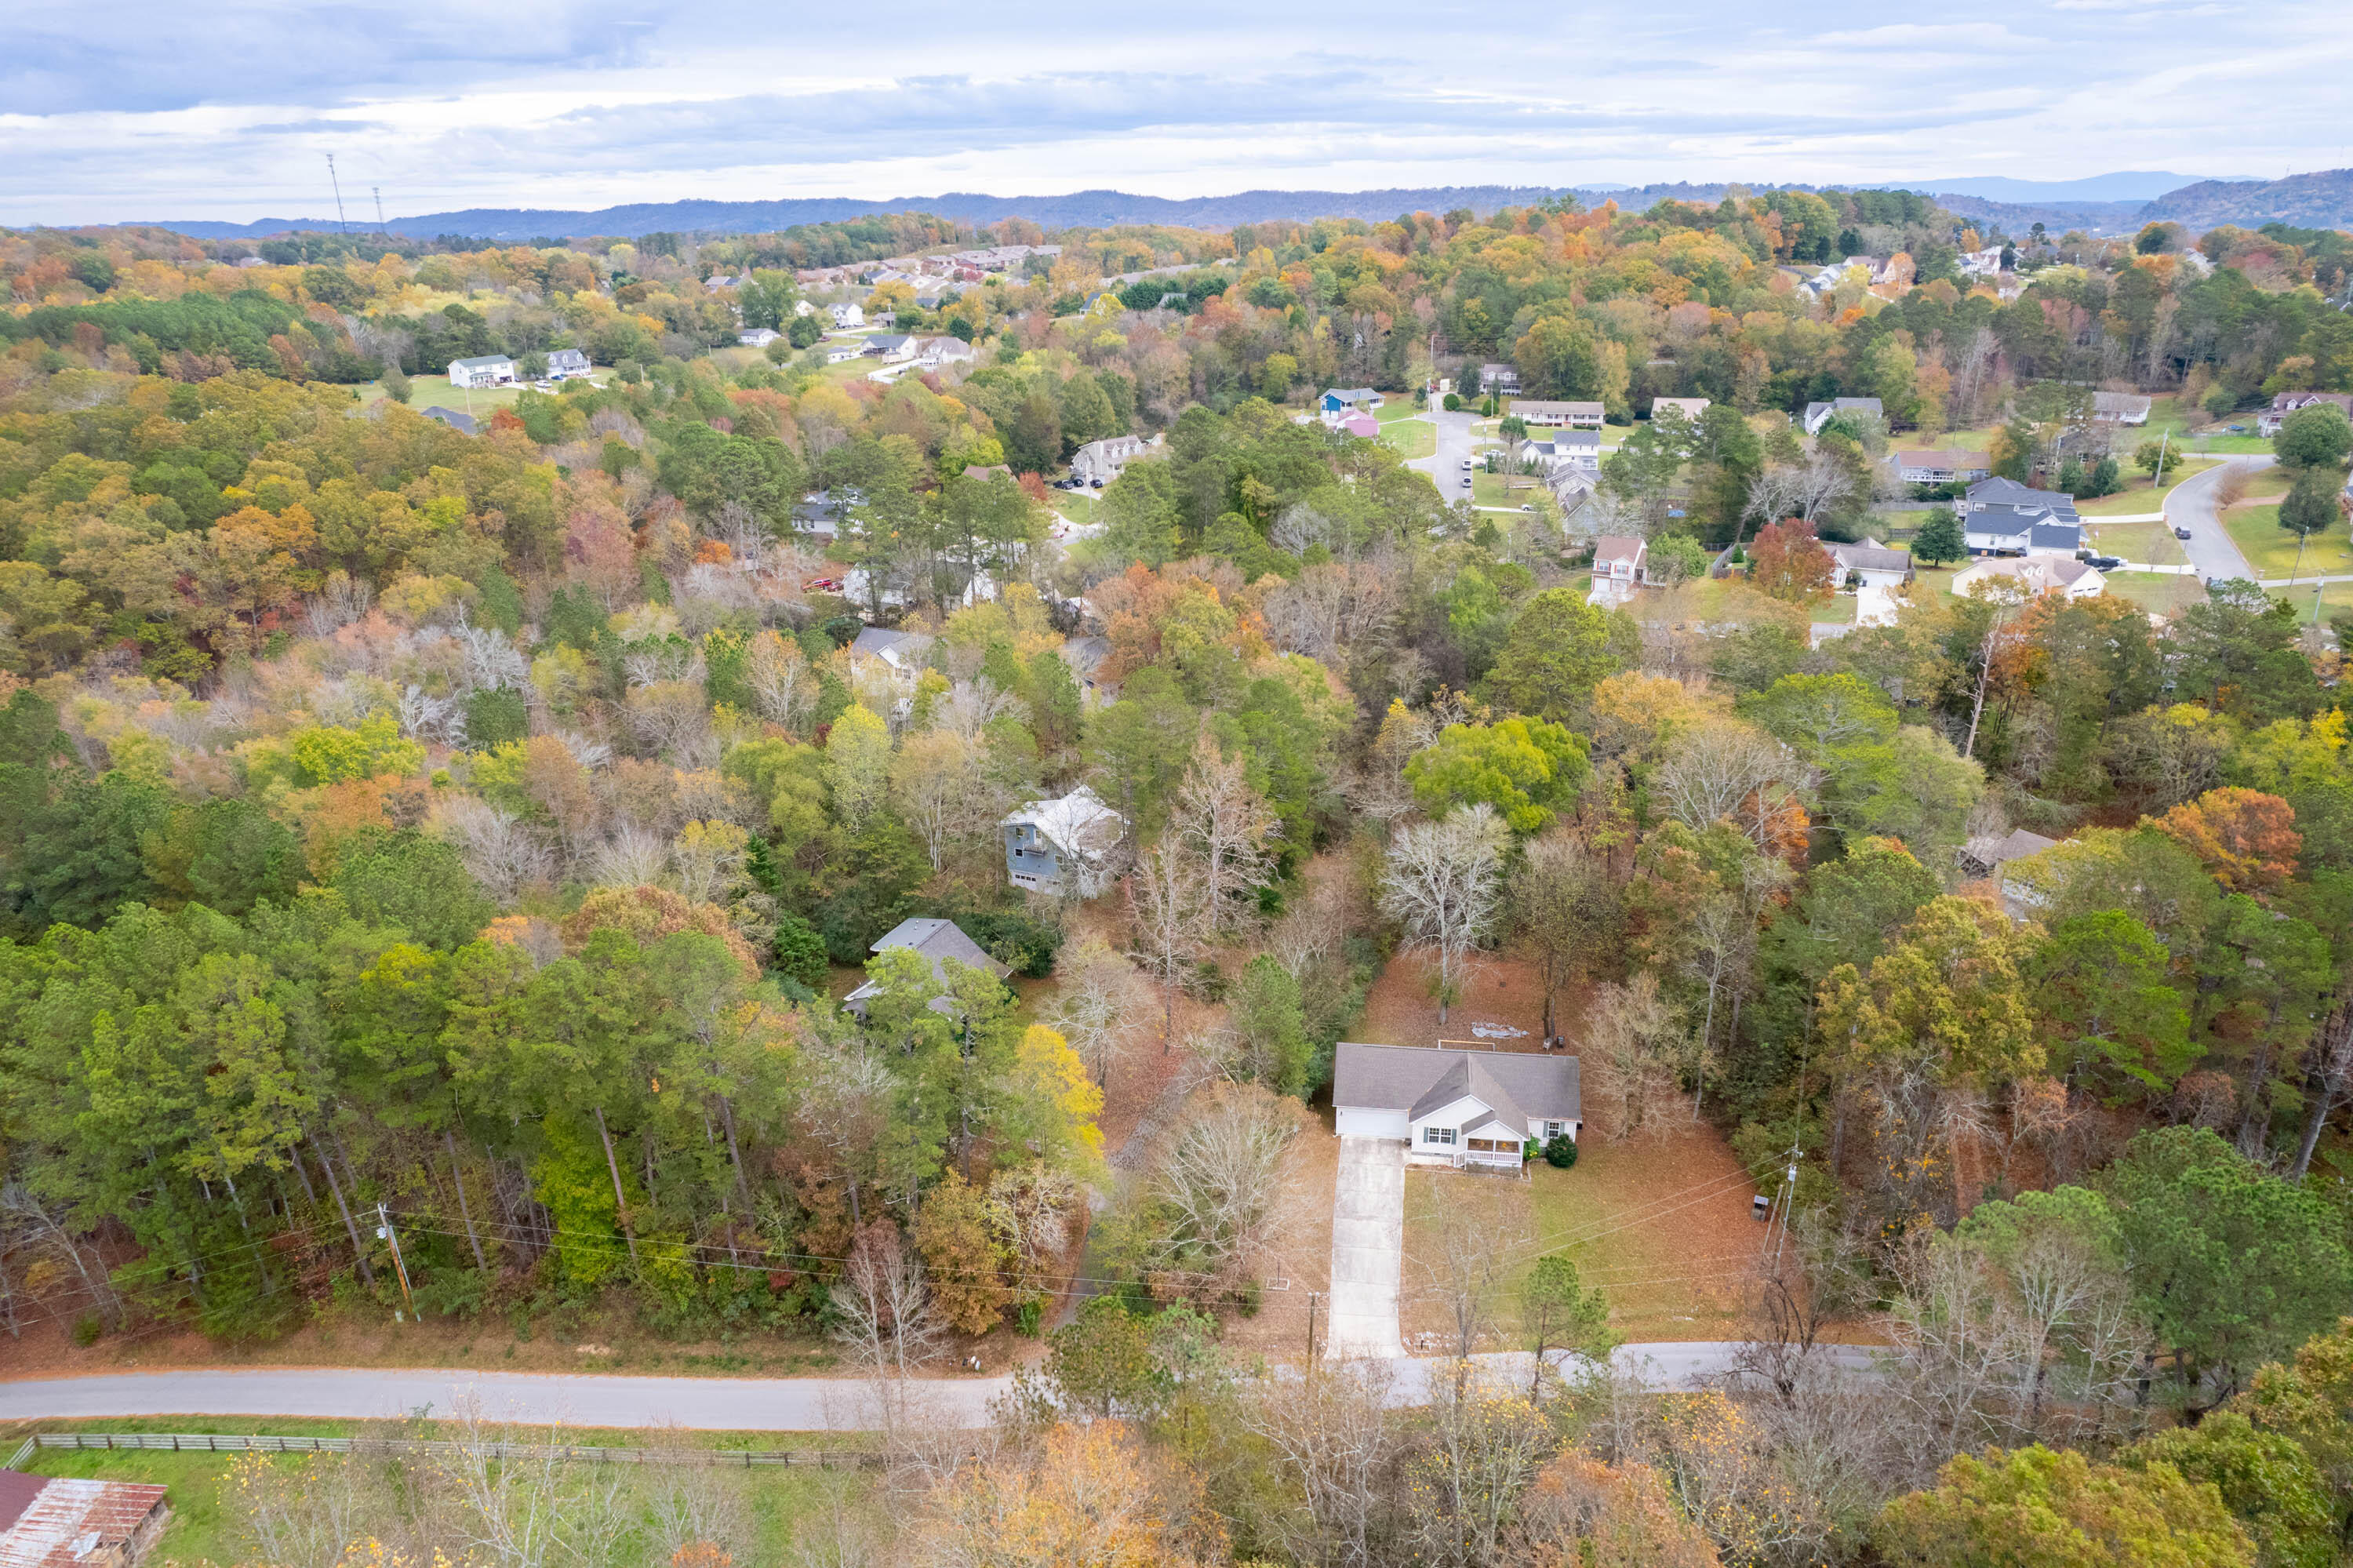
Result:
[1501,1007]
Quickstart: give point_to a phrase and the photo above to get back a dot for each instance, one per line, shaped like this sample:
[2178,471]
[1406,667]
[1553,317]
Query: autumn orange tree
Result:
[1788,563]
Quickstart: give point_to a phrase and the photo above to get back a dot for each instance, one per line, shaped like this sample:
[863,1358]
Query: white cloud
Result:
[151,111]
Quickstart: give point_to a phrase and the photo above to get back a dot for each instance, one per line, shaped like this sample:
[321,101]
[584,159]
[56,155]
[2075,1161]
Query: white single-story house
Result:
[758,337]
[945,351]
[1870,565]
[839,352]
[1452,1107]
[1821,414]
[1689,408]
[1941,465]
[1575,415]
[849,315]
[2120,407]
[890,347]
[2038,575]
[1099,462]
[1068,845]
[483,370]
[937,940]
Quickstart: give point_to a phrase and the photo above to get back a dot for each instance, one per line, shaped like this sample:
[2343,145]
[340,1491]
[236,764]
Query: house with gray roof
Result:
[566,365]
[463,423]
[1821,414]
[2003,517]
[1452,1106]
[482,370]
[933,939]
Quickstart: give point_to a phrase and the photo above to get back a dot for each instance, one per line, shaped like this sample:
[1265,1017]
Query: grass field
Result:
[1400,407]
[2152,544]
[424,391]
[1660,1222]
[1411,438]
[199,1531]
[1504,490]
[2162,591]
[2272,549]
[1839,610]
[2141,494]
[1078,505]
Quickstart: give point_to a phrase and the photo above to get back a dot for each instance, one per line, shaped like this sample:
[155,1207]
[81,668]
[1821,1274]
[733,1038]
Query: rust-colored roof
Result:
[67,1519]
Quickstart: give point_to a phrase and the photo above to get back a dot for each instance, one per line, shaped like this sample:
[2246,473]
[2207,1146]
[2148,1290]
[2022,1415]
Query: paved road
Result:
[1445,465]
[749,1404]
[1367,1249]
[742,1405]
[2190,505]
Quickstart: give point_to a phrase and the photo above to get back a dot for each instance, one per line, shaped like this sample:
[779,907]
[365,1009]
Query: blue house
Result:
[1340,400]
[1065,847]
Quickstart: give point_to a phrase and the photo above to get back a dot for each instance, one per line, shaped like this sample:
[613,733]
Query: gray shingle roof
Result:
[1520,1086]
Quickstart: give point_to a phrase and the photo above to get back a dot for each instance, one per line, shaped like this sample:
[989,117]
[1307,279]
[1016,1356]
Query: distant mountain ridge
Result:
[2322,199]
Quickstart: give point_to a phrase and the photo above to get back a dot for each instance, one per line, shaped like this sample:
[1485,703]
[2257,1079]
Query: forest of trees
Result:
[481,826]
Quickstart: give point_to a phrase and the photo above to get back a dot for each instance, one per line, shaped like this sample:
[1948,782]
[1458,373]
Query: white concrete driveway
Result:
[1367,1249]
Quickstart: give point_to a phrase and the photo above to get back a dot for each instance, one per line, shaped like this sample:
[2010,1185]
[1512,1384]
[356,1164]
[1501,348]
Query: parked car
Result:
[2181,533]
[1466,465]
[1466,482]
[2106,562]
[1527,506]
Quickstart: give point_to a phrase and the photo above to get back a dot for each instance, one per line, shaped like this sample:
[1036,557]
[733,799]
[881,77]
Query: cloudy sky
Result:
[224,109]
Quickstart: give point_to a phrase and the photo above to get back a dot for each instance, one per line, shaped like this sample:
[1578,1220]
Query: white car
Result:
[1466,465]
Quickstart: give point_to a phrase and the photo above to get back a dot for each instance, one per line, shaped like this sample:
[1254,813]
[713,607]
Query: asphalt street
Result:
[737,1404]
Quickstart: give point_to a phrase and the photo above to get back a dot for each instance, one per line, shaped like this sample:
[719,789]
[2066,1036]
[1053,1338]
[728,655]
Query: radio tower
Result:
[339,196]
[378,192]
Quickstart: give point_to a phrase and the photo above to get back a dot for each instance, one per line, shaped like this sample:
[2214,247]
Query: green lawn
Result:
[1078,505]
[1511,489]
[1839,610]
[1891,526]
[2272,549]
[1411,438]
[426,391]
[778,1497]
[2161,591]
[1400,407]
[2140,494]
[2152,544]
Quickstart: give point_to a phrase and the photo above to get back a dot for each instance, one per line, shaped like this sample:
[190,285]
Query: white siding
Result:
[1356,1123]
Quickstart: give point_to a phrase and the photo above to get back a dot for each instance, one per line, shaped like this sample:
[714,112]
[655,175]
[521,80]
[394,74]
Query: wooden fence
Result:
[209,1442]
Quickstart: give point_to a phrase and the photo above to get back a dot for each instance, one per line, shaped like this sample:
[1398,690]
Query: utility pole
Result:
[1311,1335]
[339,196]
[383,1229]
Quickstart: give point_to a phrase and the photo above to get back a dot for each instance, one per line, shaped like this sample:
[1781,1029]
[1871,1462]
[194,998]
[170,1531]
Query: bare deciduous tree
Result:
[1724,769]
[1634,1042]
[1096,1009]
[1166,922]
[1336,1440]
[1222,1183]
[1484,1222]
[1441,881]
[1227,825]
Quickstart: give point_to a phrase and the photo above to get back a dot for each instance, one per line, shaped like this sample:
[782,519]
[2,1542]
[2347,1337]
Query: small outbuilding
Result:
[60,1522]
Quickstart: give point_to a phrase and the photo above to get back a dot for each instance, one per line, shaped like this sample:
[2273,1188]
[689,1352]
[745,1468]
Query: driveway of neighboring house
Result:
[1367,1249]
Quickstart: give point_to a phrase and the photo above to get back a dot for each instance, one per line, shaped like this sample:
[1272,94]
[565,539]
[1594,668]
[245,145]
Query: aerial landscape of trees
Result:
[477,834]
